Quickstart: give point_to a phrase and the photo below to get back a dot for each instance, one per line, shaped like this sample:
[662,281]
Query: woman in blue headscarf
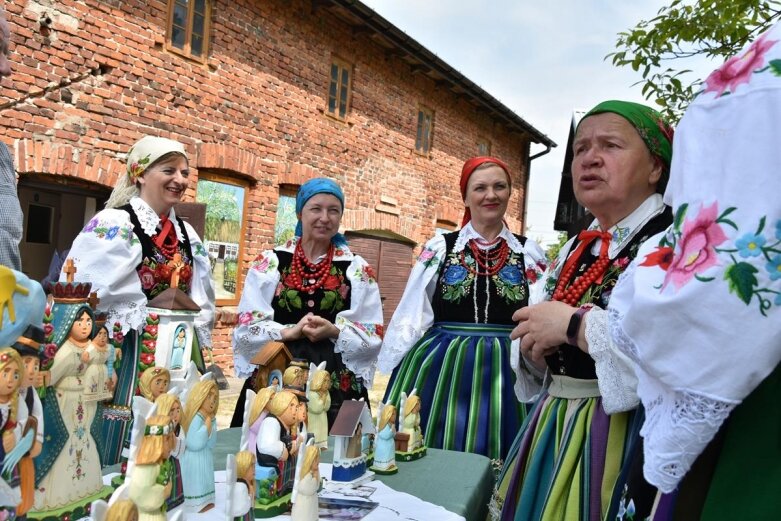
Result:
[316,296]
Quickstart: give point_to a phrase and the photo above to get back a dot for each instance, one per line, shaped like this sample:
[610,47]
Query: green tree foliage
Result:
[659,47]
[553,250]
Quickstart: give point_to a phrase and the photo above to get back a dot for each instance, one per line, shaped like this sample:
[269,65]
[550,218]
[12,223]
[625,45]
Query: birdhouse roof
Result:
[351,413]
[173,299]
[269,351]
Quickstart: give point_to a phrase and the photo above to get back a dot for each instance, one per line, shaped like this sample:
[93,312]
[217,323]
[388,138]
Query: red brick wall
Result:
[101,79]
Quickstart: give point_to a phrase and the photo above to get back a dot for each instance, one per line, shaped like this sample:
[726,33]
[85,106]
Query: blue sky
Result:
[541,59]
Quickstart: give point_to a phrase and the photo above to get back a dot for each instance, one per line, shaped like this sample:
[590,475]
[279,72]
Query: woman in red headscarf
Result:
[449,337]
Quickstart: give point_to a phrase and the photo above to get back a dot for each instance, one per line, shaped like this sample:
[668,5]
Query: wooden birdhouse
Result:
[352,422]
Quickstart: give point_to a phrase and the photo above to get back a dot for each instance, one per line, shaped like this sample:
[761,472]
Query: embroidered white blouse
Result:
[360,326]
[414,314]
[106,253]
[615,374]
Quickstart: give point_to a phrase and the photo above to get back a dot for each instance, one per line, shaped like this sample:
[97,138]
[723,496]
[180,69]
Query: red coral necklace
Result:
[492,260]
[309,276]
[571,294]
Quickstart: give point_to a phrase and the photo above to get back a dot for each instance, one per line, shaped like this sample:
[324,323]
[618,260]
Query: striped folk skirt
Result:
[463,376]
[566,460]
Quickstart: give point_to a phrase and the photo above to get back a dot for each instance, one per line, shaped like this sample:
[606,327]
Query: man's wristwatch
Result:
[574,324]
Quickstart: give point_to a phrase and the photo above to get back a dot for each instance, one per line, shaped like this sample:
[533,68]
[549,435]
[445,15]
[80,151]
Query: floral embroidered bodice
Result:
[153,271]
[461,294]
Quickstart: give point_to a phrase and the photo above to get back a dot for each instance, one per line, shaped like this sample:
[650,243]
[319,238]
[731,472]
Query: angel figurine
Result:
[240,472]
[153,382]
[410,437]
[151,480]
[168,404]
[385,443]
[200,429]
[410,423]
[319,403]
[305,507]
[255,410]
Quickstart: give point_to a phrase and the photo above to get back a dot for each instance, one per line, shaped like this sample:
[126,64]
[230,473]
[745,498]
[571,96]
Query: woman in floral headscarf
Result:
[126,251]
[566,459]
[316,296]
[700,312]
[450,335]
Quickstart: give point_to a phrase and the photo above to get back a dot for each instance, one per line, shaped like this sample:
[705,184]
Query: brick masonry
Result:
[101,78]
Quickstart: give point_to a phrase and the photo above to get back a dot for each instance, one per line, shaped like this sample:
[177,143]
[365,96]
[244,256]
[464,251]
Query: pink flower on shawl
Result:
[261,263]
[739,69]
[244,318]
[696,248]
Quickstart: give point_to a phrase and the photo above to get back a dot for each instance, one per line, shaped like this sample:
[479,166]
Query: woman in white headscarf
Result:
[700,310]
[126,251]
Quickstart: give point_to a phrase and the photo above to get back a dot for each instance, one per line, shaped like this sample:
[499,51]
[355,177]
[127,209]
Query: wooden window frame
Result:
[186,51]
[342,65]
[424,151]
[486,143]
[216,177]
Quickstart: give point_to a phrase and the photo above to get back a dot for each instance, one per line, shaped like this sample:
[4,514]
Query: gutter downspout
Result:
[524,207]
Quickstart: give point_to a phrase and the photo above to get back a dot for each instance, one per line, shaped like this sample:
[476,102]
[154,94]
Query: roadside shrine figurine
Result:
[96,379]
[240,481]
[276,451]
[318,405]
[68,471]
[410,445]
[305,507]
[200,429]
[349,461]
[28,347]
[154,381]
[151,480]
[384,442]
[11,369]
[168,404]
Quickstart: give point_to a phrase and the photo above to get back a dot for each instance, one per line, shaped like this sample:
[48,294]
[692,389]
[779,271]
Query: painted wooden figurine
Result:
[28,347]
[68,471]
[319,403]
[168,404]
[385,444]
[154,381]
[177,349]
[240,480]
[256,411]
[151,480]
[277,448]
[409,441]
[200,429]
[305,506]
[96,379]
[349,462]
[11,369]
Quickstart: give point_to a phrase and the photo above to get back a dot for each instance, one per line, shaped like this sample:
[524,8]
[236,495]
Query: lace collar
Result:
[468,232]
[625,229]
[150,220]
[340,252]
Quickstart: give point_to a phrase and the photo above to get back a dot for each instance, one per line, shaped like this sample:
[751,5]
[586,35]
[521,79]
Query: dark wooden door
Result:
[392,260]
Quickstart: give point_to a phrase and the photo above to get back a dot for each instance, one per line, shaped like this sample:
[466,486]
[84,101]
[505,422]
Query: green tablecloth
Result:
[460,482]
